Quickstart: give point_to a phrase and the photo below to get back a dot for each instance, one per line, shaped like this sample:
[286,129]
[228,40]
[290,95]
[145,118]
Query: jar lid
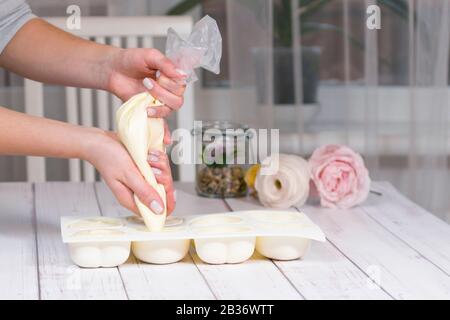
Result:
[227,128]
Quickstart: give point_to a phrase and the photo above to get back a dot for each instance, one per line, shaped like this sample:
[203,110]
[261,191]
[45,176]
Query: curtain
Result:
[329,78]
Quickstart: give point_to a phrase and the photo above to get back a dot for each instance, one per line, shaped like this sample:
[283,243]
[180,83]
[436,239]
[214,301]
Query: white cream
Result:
[139,134]
[95,223]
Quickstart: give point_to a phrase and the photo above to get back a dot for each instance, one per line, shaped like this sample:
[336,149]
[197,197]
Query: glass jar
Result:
[222,159]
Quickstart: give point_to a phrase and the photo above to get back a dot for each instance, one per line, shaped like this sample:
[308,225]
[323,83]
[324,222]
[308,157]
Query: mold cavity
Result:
[291,227]
[95,223]
[276,217]
[215,219]
[170,221]
[135,219]
[223,229]
[173,221]
[165,230]
[99,233]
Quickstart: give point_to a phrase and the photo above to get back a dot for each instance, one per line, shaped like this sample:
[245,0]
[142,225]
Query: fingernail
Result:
[182,72]
[155,152]
[153,158]
[158,74]
[147,83]
[175,195]
[156,207]
[156,171]
[182,82]
[151,112]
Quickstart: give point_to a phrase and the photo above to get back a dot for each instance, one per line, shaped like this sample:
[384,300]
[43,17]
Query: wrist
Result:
[109,67]
[90,141]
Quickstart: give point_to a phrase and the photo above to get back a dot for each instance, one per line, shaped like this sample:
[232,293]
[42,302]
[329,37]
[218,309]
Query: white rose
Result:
[289,185]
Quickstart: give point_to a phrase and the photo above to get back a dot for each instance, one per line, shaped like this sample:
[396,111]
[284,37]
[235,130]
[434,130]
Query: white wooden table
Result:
[389,248]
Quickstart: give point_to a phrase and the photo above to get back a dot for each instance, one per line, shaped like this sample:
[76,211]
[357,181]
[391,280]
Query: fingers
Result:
[171,201]
[156,60]
[177,87]
[161,169]
[167,139]
[159,112]
[169,99]
[124,195]
[146,194]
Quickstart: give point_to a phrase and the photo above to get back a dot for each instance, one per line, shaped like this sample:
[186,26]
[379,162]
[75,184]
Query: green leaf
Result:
[400,7]
[183,7]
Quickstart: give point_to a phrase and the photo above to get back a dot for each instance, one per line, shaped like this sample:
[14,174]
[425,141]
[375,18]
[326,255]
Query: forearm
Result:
[44,53]
[21,134]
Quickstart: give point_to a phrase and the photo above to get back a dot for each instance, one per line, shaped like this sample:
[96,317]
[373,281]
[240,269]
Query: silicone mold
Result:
[161,251]
[99,254]
[225,249]
[95,222]
[218,238]
[282,248]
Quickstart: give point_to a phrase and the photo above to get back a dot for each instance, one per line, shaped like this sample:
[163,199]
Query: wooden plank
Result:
[396,267]
[102,100]
[324,273]
[147,281]
[34,105]
[18,267]
[59,277]
[147,42]
[126,26]
[420,229]
[115,101]
[87,116]
[185,120]
[257,278]
[131,41]
[72,117]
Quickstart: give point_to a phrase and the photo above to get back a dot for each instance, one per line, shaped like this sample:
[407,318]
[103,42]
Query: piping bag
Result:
[138,133]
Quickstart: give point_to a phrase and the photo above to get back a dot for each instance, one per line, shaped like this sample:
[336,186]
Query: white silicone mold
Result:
[225,249]
[218,238]
[161,251]
[97,254]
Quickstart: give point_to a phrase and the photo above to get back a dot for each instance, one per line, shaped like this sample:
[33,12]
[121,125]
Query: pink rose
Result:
[340,176]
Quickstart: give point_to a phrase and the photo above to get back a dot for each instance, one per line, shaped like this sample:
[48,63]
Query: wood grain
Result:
[257,278]
[324,273]
[18,264]
[399,269]
[59,277]
[424,232]
[147,281]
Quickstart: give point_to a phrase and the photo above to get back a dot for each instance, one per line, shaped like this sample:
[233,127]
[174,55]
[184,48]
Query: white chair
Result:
[128,32]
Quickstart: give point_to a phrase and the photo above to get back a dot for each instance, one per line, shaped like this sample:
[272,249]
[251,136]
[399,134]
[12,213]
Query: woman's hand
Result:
[131,71]
[159,161]
[124,178]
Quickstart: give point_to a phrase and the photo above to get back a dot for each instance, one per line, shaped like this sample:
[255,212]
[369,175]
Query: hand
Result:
[123,177]
[133,71]
[159,161]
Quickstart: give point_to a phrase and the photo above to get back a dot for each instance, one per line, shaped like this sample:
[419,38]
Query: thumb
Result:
[146,193]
